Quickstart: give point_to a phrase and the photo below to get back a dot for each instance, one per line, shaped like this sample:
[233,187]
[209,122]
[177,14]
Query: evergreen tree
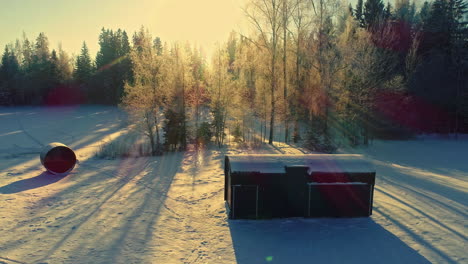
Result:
[423,14]
[27,53]
[174,130]
[26,83]
[405,11]
[54,70]
[158,46]
[54,95]
[18,49]
[124,67]
[84,70]
[9,74]
[443,25]
[373,13]
[388,11]
[40,71]
[358,13]
[113,65]
[65,68]
[441,77]
[412,13]
[83,65]
[42,53]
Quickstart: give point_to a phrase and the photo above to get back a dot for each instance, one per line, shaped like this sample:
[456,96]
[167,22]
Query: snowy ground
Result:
[170,209]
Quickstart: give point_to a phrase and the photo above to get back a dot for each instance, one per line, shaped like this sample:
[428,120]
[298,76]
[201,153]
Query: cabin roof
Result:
[276,163]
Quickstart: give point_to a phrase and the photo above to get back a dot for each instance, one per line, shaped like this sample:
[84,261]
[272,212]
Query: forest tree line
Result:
[308,69]
[33,74]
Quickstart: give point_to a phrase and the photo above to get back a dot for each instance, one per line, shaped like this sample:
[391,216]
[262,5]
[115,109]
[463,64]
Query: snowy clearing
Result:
[170,209]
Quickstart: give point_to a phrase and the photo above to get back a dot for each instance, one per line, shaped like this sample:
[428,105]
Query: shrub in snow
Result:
[317,139]
[175,132]
[204,133]
[237,133]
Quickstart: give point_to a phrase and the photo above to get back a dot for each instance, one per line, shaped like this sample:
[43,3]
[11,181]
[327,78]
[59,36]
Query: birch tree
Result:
[265,17]
[144,96]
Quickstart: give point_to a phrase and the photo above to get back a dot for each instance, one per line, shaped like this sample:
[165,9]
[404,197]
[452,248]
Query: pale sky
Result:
[71,22]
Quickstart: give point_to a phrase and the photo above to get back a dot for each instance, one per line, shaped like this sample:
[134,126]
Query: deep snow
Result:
[170,209]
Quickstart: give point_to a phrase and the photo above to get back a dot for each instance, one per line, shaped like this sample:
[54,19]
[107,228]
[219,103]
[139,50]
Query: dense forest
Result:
[310,70]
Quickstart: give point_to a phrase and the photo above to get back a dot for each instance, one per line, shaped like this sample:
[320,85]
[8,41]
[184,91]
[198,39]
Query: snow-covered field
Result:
[170,209]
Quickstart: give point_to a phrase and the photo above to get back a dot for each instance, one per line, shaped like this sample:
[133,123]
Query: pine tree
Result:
[26,83]
[9,74]
[174,130]
[158,46]
[423,14]
[27,53]
[40,71]
[54,70]
[55,94]
[42,53]
[83,66]
[84,70]
[388,12]
[358,13]
[412,13]
[18,49]
[440,78]
[444,23]
[113,66]
[124,67]
[65,68]
[373,13]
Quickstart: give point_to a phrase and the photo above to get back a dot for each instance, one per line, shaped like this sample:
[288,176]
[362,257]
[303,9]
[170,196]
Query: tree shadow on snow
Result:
[41,180]
[324,240]
[145,181]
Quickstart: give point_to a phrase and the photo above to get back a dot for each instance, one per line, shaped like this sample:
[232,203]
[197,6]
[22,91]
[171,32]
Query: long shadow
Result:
[83,179]
[422,194]
[419,239]
[420,211]
[325,240]
[41,180]
[424,183]
[156,185]
[152,187]
[73,138]
[439,161]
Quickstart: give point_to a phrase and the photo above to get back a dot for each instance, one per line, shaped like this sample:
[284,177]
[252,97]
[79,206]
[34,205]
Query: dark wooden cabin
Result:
[312,185]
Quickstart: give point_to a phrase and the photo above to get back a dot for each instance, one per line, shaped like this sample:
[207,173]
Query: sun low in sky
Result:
[70,22]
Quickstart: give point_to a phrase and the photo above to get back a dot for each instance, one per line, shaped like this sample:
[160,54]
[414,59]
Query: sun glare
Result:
[203,22]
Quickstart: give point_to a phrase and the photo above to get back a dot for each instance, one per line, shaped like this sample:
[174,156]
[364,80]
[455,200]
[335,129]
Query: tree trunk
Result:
[150,134]
[296,115]
[285,80]
[158,139]
[273,80]
[223,126]
[296,131]
[261,131]
[184,125]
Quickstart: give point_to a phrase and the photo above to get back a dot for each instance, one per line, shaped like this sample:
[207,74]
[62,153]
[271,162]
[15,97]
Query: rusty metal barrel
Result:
[58,158]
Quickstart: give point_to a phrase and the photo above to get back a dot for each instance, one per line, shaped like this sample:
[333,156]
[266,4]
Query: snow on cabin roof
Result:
[276,163]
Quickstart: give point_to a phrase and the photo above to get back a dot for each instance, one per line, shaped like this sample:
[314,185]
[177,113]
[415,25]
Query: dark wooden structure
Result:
[312,185]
